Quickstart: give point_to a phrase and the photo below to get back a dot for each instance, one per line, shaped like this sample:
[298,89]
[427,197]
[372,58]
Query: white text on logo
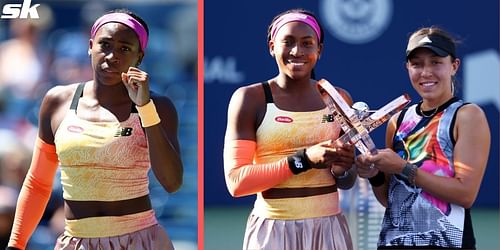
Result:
[16,10]
[298,163]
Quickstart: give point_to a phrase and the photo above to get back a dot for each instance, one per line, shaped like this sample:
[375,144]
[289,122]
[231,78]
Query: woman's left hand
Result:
[137,83]
[387,161]
[345,158]
[366,169]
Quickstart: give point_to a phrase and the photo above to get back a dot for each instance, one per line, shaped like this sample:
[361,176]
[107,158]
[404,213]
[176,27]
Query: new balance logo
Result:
[123,132]
[327,118]
[297,162]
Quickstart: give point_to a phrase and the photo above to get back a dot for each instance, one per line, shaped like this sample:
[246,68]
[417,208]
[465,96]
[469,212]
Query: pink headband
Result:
[295,17]
[123,19]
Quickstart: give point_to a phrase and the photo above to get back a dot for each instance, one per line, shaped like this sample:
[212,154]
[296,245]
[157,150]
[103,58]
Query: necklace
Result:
[427,116]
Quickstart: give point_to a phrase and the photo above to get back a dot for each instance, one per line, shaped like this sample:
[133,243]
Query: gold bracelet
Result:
[148,114]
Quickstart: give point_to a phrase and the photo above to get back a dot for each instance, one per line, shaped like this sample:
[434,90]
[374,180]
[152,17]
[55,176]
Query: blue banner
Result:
[364,53]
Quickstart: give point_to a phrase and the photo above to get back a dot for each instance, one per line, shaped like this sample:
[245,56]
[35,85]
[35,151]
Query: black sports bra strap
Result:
[267,92]
[133,109]
[452,123]
[76,97]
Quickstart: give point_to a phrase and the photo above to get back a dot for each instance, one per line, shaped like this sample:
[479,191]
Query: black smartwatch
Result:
[409,173]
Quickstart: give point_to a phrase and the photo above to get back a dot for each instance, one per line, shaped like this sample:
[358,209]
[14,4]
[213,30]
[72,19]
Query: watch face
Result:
[406,170]
[409,173]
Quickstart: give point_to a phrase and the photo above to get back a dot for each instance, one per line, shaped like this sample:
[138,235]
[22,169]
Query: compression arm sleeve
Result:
[245,178]
[34,194]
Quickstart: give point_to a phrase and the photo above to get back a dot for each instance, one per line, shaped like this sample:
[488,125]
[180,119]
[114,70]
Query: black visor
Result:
[439,45]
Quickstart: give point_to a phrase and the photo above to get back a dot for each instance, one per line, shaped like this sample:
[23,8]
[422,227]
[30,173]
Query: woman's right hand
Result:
[328,153]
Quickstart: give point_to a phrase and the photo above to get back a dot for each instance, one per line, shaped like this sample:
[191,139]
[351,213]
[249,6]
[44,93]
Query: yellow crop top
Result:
[281,134]
[102,161]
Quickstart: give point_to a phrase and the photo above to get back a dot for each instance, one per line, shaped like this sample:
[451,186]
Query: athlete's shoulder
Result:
[56,97]
[250,89]
[470,111]
[347,97]
[251,92]
[60,93]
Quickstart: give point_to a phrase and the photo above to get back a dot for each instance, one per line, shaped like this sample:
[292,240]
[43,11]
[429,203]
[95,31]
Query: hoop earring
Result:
[453,85]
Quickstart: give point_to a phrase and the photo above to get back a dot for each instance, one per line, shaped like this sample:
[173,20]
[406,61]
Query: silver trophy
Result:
[358,121]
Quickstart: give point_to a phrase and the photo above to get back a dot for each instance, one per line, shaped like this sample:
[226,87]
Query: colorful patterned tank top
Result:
[415,217]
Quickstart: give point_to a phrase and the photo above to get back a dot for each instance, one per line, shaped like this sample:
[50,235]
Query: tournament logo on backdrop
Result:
[356,21]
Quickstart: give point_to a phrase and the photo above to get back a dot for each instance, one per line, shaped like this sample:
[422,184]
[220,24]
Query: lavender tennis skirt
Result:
[151,238]
[322,233]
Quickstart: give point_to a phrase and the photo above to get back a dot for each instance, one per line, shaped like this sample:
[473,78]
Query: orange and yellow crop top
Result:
[102,161]
[281,134]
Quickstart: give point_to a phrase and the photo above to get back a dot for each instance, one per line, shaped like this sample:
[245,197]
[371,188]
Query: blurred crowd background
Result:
[37,54]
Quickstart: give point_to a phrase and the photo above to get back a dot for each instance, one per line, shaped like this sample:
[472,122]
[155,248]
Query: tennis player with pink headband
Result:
[105,134]
[279,145]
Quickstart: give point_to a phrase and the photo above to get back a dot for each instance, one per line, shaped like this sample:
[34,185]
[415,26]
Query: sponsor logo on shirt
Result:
[327,118]
[75,129]
[297,162]
[283,119]
[127,131]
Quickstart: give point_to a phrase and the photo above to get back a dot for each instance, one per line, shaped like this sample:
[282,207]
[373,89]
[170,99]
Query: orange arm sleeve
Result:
[35,193]
[245,178]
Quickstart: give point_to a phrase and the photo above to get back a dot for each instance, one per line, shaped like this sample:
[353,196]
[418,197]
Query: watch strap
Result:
[409,173]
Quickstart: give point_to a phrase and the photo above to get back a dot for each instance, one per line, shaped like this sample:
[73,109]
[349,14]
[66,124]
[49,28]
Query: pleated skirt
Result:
[150,238]
[322,233]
